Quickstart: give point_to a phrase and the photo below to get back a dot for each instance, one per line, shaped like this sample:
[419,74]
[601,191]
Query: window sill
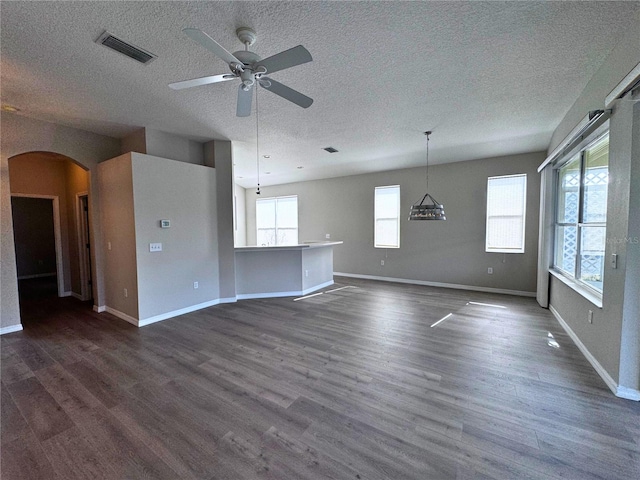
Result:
[578,288]
[498,250]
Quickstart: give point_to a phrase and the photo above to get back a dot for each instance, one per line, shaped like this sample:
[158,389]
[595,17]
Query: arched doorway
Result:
[50,198]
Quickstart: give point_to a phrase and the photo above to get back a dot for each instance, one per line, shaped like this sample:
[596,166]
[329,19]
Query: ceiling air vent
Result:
[330,149]
[120,46]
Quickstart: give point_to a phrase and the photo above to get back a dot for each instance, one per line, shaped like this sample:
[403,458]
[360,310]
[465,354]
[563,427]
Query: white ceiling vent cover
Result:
[120,46]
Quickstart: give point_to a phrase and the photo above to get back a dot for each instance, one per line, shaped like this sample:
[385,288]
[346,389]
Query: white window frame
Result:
[572,279]
[376,244]
[523,215]
[276,228]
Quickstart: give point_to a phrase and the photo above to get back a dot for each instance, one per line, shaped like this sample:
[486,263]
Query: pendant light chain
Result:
[427,134]
[428,208]
[257,142]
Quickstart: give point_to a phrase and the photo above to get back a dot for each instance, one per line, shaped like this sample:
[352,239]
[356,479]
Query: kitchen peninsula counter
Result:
[283,271]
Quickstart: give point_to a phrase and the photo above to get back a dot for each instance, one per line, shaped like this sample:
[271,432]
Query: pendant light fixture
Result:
[428,208]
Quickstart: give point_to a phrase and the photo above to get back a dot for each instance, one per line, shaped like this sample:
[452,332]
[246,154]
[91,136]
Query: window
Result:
[506,210]
[277,221]
[581,214]
[387,217]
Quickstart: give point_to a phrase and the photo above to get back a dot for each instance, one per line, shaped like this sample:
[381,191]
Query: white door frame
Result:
[82,228]
[56,233]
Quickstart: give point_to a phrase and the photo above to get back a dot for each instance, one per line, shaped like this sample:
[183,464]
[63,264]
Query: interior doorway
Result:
[36,227]
[84,250]
[66,185]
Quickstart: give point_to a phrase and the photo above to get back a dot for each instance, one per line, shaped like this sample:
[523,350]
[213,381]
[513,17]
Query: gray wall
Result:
[240,216]
[219,155]
[118,225]
[613,338]
[186,195]
[34,236]
[630,342]
[174,147]
[137,191]
[445,252]
[134,142]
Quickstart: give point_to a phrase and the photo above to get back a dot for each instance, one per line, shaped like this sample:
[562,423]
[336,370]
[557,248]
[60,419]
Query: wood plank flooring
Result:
[351,384]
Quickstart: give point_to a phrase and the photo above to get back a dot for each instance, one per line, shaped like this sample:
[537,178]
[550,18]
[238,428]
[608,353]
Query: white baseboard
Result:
[519,293]
[76,295]
[295,293]
[249,296]
[164,316]
[99,309]
[121,315]
[176,313]
[628,393]
[622,392]
[10,329]
[38,275]
[229,300]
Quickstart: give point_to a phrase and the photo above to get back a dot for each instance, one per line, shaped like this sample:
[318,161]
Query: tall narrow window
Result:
[387,217]
[277,221]
[581,214]
[506,211]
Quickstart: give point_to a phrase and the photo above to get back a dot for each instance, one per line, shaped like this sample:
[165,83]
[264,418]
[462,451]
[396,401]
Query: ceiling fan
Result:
[250,69]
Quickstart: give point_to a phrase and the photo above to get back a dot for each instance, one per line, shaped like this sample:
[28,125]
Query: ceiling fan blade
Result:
[287,59]
[286,92]
[244,102]
[210,44]
[196,82]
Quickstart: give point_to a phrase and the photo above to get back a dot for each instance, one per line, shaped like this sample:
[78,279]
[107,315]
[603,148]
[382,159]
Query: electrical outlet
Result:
[109,245]
[195,285]
[327,236]
[306,273]
[382,262]
[490,270]
[590,316]
[155,247]
[126,293]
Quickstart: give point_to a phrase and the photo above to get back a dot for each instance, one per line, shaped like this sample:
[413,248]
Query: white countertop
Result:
[300,246]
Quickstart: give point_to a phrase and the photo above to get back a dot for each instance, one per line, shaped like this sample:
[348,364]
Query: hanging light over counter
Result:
[428,208]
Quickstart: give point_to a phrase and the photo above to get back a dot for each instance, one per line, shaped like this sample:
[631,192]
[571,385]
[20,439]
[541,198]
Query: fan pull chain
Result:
[257,142]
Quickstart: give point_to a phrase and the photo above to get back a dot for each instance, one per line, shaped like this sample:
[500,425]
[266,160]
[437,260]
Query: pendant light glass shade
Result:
[428,208]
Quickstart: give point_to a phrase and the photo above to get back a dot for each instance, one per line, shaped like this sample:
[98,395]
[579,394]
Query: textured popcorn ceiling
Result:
[489,78]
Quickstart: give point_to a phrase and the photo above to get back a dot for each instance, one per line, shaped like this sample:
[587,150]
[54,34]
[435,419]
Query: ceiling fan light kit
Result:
[428,208]
[250,69]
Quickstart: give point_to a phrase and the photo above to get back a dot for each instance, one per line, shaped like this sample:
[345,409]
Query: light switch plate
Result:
[614,260]
[155,247]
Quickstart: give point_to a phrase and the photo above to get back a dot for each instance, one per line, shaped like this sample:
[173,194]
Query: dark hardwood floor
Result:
[351,384]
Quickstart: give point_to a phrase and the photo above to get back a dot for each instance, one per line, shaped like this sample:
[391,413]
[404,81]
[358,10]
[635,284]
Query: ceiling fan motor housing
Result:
[247,57]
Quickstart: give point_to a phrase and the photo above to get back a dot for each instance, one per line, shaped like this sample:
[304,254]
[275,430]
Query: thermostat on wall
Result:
[165,223]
